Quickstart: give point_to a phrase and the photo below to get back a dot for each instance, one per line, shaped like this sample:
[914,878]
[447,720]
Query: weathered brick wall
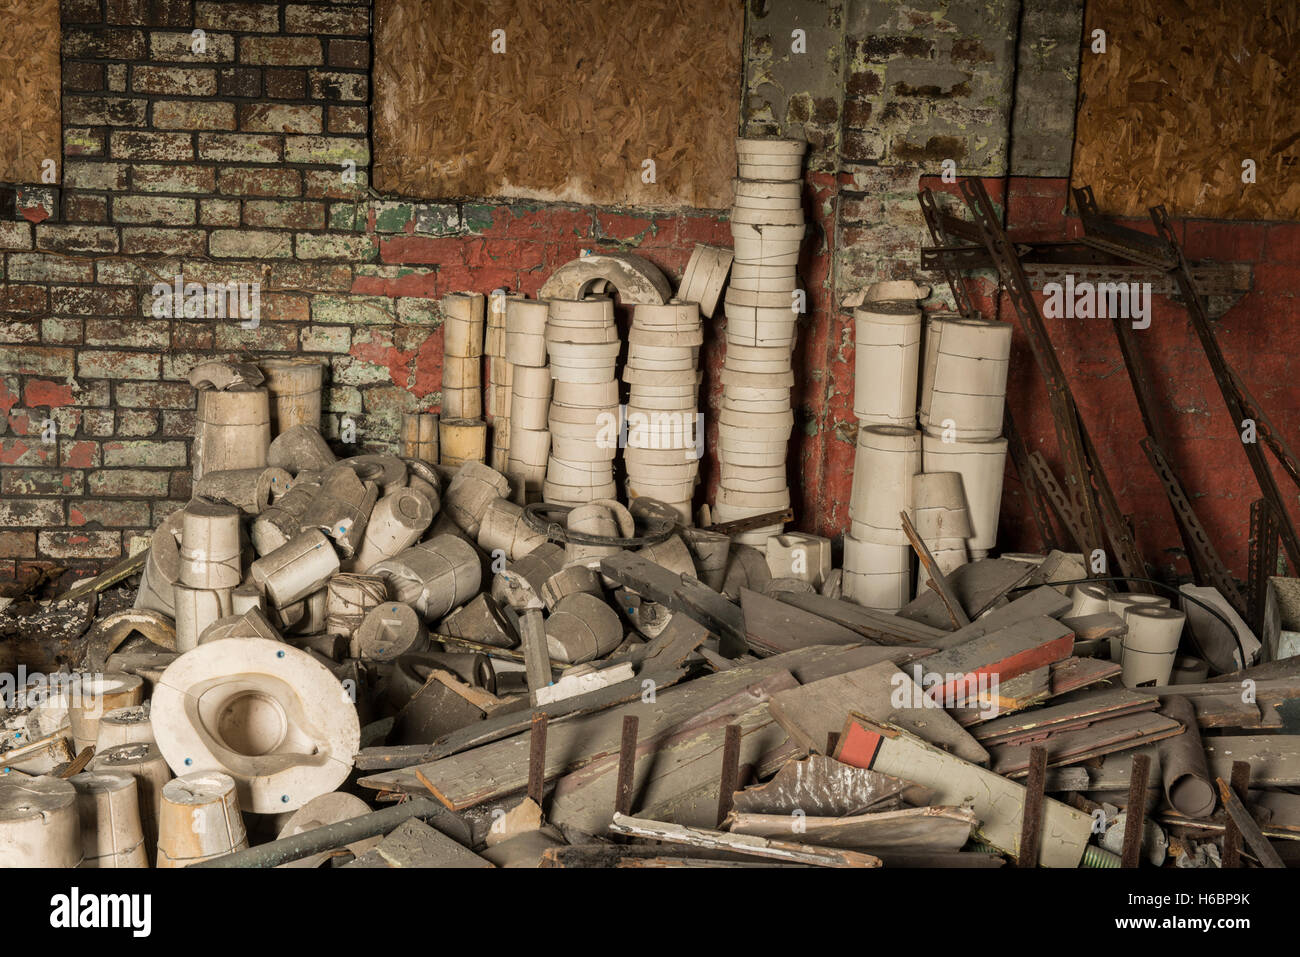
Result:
[224,163]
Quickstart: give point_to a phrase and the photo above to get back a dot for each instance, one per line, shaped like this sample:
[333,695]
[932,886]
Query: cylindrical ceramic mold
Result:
[607,519]
[981,465]
[270,715]
[128,725]
[162,568]
[232,430]
[462,440]
[108,805]
[347,599]
[199,819]
[397,522]
[196,609]
[294,386]
[572,580]
[877,576]
[888,344]
[38,822]
[434,576]
[282,521]
[246,597]
[420,436]
[249,490]
[210,545]
[1120,603]
[144,762]
[526,331]
[341,507]
[388,631]
[964,377]
[463,323]
[581,628]
[504,529]
[296,569]
[710,550]
[300,449]
[93,695]
[888,457]
[1089,598]
[387,471]
[939,505]
[1150,644]
[519,585]
[1189,670]
[474,487]
[466,403]
[333,808]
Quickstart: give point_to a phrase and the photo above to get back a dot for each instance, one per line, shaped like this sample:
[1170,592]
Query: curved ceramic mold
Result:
[296,569]
[1089,598]
[939,507]
[705,276]
[144,762]
[323,811]
[877,576]
[272,717]
[388,631]
[196,609]
[636,278]
[463,324]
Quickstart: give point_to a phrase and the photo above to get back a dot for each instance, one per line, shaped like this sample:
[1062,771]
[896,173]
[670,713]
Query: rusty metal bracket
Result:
[1207,567]
[1040,506]
[1101,233]
[1263,562]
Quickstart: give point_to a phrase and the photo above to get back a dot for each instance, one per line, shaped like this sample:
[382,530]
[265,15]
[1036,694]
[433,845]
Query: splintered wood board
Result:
[29,89]
[1183,94]
[584,92]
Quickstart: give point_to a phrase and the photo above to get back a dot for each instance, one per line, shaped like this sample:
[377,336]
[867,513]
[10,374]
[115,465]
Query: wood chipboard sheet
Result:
[558,100]
[29,89]
[1185,92]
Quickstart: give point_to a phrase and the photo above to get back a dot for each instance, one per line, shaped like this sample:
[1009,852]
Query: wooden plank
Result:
[877,625]
[996,801]
[1076,711]
[502,725]
[1043,601]
[786,851]
[882,693]
[1003,654]
[1135,812]
[978,585]
[1031,823]
[1070,674]
[773,626]
[675,776]
[414,844]
[671,647]
[938,583]
[1099,627]
[929,828]
[1102,737]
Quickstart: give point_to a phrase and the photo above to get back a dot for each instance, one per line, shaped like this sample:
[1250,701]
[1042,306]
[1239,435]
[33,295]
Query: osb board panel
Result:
[1187,90]
[29,88]
[584,93]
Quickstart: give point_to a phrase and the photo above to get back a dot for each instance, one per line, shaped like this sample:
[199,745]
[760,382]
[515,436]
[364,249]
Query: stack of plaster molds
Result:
[963,392]
[877,556]
[463,433]
[500,372]
[665,437]
[582,343]
[762,307]
[530,398]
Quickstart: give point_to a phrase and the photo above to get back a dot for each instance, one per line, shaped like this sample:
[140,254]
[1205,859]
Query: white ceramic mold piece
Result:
[799,555]
[877,576]
[939,506]
[705,275]
[519,584]
[108,805]
[470,492]
[581,628]
[636,278]
[388,631]
[462,440]
[196,609]
[38,822]
[232,430]
[887,356]
[323,811]
[199,819]
[348,597]
[300,449]
[526,332]
[144,762]
[1120,603]
[296,569]
[895,290]
[1089,598]
[981,465]
[269,715]
[341,507]
[94,694]
[949,557]
[887,459]
[283,520]
[1150,644]
[162,568]
[434,576]
[573,580]
[294,388]
[964,376]
[249,490]
[246,597]
[397,522]
[210,545]
[128,725]
[606,518]
[504,529]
